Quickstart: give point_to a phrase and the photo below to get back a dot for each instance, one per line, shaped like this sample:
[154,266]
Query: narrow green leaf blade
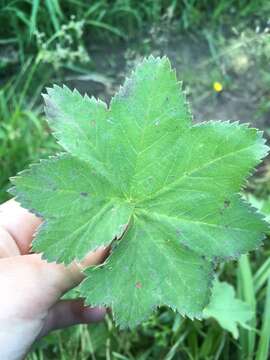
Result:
[264,342]
[246,292]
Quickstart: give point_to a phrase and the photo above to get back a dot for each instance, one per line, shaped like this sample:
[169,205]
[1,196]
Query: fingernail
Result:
[94,314]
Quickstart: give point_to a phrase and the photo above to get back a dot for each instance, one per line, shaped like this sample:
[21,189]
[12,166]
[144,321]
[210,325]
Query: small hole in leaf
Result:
[226,203]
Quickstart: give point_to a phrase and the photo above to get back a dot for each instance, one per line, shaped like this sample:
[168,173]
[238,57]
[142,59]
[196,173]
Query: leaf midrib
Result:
[178,218]
[173,184]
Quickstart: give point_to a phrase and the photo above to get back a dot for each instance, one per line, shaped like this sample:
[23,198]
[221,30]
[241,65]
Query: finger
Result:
[19,223]
[8,247]
[38,281]
[71,312]
[30,286]
[94,258]
[74,272]
[30,280]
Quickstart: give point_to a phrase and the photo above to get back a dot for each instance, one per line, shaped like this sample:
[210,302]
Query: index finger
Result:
[19,223]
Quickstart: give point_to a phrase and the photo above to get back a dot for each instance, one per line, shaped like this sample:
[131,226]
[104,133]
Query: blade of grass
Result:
[262,275]
[33,19]
[246,292]
[53,10]
[8,41]
[173,351]
[110,28]
[263,347]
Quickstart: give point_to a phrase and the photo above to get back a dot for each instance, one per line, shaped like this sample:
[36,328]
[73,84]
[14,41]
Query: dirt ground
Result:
[196,66]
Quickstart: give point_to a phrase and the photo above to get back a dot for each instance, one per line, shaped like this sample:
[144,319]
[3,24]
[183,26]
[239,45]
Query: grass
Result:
[263,347]
[247,293]
[39,39]
[162,337]
[168,336]
[22,19]
[23,133]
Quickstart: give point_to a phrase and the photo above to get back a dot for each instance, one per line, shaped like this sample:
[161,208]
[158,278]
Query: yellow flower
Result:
[217,86]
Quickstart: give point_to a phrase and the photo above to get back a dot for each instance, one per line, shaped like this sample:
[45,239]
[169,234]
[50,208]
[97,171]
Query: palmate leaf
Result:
[226,309]
[141,175]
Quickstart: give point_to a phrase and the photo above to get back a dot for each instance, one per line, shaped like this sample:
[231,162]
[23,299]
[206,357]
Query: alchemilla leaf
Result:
[140,176]
[226,309]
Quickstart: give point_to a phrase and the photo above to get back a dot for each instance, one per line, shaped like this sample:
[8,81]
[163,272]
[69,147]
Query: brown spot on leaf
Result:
[138,285]
[84,194]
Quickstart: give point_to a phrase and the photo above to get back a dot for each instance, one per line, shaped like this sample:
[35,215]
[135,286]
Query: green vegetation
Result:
[91,44]
[106,173]
[122,18]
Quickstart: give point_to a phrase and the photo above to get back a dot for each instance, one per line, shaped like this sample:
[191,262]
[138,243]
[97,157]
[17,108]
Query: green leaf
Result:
[75,201]
[266,209]
[139,175]
[228,311]
[148,268]
[263,205]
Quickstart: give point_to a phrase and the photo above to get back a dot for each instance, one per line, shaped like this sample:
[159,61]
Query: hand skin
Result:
[30,288]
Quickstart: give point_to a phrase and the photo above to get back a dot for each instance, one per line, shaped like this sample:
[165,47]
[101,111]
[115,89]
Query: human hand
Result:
[30,288]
